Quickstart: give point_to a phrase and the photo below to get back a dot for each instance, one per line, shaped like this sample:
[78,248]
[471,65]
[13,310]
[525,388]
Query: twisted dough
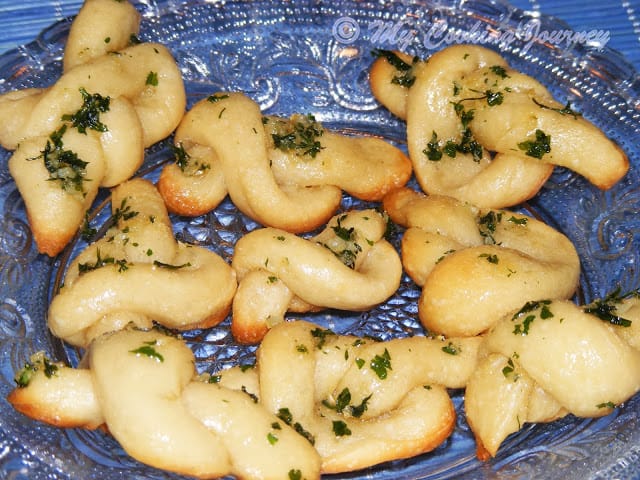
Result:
[466,102]
[105,109]
[228,146]
[139,269]
[278,271]
[546,360]
[143,387]
[101,26]
[324,381]
[475,265]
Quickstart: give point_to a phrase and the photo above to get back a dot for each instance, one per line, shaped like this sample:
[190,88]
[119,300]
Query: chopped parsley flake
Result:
[152,79]
[148,350]
[405,78]
[216,97]
[509,369]
[123,212]
[537,147]
[545,313]
[87,232]
[185,163]
[451,349]
[518,221]
[272,439]
[102,262]
[285,415]
[491,258]
[321,336]
[380,364]
[88,116]
[168,266]
[487,225]
[300,134]
[63,165]
[566,110]
[38,361]
[340,428]
[499,71]
[295,474]
[605,309]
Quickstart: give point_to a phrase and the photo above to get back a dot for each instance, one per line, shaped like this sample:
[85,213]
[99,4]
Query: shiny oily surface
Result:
[312,57]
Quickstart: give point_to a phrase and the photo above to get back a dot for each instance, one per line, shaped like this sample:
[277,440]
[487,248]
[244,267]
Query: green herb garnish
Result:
[295,474]
[566,110]
[285,415]
[272,439]
[88,116]
[300,134]
[487,225]
[451,349]
[606,309]
[499,71]
[168,266]
[545,313]
[340,428]
[405,78]
[38,361]
[152,79]
[538,147]
[148,350]
[63,165]
[321,336]
[380,364]
[216,97]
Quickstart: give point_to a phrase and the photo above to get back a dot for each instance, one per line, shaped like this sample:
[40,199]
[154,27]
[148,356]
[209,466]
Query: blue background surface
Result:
[20,22]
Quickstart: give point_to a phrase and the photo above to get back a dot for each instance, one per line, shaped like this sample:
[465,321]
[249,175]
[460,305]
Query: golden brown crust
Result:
[305,374]
[449,105]
[543,363]
[229,147]
[134,115]
[475,265]
[151,275]
[275,267]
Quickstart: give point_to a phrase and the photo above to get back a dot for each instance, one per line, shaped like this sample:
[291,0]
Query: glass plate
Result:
[313,58]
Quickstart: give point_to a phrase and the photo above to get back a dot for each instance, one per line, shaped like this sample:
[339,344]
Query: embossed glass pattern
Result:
[312,57]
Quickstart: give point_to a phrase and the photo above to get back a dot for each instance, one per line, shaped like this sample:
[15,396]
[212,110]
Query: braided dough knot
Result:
[89,129]
[549,359]
[287,174]
[484,133]
[143,387]
[475,265]
[139,273]
[348,266]
[362,402]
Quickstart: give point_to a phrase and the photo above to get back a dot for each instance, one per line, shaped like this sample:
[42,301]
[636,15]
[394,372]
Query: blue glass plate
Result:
[314,57]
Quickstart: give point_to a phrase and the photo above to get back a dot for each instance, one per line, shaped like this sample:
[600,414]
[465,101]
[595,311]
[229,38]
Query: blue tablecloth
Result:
[21,21]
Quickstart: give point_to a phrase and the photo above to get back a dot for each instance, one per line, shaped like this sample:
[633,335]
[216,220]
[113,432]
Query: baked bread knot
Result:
[348,266]
[138,273]
[361,402]
[100,27]
[549,359]
[283,173]
[484,133]
[143,388]
[89,129]
[475,265]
